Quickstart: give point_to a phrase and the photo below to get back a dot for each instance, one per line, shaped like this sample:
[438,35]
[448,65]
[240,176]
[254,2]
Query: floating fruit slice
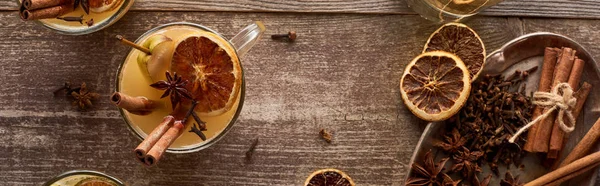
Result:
[461,41]
[99,6]
[95,181]
[435,85]
[212,69]
[326,177]
[155,65]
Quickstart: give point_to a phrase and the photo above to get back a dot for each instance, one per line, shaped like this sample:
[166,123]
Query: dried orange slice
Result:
[95,181]
[461,41]
[435,85]
[326,177]
[213,70]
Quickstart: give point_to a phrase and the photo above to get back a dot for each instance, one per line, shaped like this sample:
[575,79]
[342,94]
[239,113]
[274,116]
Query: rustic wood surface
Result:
[539,8]
[341,74]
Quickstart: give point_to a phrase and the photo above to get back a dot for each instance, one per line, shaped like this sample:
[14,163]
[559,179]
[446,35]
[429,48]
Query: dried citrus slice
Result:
[213,70]
[326,177]
[95,181]
[461,41]
[435,85]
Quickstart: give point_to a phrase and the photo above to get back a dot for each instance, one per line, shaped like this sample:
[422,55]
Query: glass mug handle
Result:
[246,39]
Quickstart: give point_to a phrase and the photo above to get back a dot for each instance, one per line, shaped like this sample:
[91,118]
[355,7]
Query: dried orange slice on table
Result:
[461,41]
[435,85]
[327,177]
[213,70]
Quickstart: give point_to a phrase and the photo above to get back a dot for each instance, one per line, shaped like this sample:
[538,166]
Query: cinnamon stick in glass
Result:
[156,152]
[51,12]
[591,137]
[569,171]
[153,137]
[558,135]
[561,74]
[37,4]
[548,66]
[134,105]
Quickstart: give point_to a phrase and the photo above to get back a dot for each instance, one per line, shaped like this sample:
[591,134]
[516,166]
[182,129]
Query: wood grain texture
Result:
[530,8]
[341,74]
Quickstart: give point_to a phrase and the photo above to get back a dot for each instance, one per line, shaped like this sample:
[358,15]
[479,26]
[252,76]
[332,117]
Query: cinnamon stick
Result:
[571,170]
[156,152]
[571,176]
[134,105]
[154,136]
[548,66]
[37,4]
[51,12]
[558,136]
[561,74]
[586,144]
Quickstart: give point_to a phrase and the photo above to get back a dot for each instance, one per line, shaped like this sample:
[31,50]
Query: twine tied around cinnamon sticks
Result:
[561,98]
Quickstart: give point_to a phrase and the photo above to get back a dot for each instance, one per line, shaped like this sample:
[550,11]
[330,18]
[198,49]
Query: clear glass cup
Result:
[71,178]
[241,43]
[83,28]
[449,10]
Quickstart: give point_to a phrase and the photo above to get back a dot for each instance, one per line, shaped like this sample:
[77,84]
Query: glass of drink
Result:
[449,10]
[83,177]
[71,18]
[133,80]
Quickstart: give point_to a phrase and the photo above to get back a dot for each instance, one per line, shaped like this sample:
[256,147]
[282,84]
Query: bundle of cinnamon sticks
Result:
[158,141]
[576,163]
[43,9]
[559,66]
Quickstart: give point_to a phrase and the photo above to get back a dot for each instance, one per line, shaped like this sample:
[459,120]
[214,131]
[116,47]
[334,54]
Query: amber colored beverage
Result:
[132,82]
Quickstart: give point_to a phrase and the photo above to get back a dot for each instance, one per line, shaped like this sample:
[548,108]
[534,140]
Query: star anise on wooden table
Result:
[509,180]
[174,87]
[467,162]
[84,97]
[428,174]
[452,143]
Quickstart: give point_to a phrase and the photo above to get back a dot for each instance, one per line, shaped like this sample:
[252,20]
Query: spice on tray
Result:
[585,145]
[250,151]
[566,57]
[569,171]
[558,135]
[325,135]
[510,180]
[545,85]
[429,173]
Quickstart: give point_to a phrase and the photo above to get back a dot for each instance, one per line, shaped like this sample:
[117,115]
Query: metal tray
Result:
[521,53]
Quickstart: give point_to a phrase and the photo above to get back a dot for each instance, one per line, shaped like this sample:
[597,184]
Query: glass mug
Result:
[72,178]
[449,10]
[75,28]
[188,142]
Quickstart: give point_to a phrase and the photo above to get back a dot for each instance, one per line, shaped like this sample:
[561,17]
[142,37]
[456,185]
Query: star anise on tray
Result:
[174,87]
[428,174]
[509,180]
[84,97]
[467,162]
[484,182]
[449,182]
[452,143]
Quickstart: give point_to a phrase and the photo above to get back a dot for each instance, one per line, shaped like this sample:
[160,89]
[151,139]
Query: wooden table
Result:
[341,74]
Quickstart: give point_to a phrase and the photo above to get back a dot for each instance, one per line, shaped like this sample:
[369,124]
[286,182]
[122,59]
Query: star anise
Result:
[452,142]
[83,97]
[466,162]
[428,174]
[484,182]
[509,180]
[449,182]
[174,87]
